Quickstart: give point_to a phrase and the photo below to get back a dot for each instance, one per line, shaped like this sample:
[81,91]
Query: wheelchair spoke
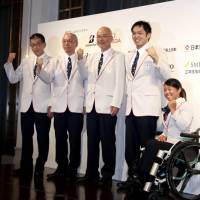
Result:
[186,162]
[187,178]
[183,167]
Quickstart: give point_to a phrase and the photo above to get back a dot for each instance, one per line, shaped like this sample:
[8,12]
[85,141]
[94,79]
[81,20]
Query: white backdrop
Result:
[175,28]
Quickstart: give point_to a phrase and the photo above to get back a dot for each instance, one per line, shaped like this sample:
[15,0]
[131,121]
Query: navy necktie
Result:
[100,63]
[135,63]
[34,71]
[69,67]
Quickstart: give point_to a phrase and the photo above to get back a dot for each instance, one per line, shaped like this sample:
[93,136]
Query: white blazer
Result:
[65,93]
[107,88]
[143,90]
[178,122]
[33,90]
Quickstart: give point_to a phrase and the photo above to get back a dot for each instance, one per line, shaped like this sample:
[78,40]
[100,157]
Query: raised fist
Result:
[152,52]
[11,57]
[80,53]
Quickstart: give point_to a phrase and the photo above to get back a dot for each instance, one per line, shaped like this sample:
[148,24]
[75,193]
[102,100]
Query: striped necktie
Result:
[100,63]
[133,69]
[69,67]
[34,71]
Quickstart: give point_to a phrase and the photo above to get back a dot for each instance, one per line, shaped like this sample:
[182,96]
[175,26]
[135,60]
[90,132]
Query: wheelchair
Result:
[177,171]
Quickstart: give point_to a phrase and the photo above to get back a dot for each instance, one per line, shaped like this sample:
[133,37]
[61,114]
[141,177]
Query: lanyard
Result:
[166,122]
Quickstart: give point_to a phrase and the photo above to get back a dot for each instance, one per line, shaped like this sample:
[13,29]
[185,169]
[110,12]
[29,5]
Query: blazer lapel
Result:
[74,69]
[129,64]
[106,64]
[96,63]
[46,61]
[140,62]
[31,68]
[63,67]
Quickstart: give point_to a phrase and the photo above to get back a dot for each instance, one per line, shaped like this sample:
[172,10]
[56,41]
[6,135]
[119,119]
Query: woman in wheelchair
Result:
[177,119]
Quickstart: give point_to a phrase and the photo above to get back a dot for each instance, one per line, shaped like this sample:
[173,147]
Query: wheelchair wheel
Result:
[154,196]
[183,170]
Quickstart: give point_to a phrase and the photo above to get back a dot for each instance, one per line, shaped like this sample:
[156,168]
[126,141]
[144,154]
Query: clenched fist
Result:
[172,106]
[153,54]
[11,57]
[80,53]
[39,63]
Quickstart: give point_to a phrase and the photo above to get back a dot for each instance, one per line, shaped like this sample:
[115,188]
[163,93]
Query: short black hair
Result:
[38,36]
[144,24]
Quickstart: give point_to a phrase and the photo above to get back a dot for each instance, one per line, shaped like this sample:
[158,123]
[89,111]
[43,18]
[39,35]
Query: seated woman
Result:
[177,118]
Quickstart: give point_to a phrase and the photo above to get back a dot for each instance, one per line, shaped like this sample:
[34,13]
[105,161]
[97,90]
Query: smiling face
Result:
[139,36]
[37,46]
[171,93]
[104,38]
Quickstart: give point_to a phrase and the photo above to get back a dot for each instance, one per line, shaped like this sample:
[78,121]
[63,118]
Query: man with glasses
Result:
[34,105]
[105,88]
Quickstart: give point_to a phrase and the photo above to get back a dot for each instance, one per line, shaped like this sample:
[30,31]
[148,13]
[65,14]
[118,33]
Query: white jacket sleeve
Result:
[14,76]
[83,67]
[183,117]
[162,66]
[46,74]
[120,82]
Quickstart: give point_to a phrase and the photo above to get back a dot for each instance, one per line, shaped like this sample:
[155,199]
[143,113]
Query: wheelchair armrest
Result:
[194,135]
[190,135]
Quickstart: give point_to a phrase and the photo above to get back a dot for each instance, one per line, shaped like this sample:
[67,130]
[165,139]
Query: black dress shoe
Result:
[105,182]
[59,170]
[56,175]
[123,184]
[126,185]
[87,180]
[71,178]
[137,185]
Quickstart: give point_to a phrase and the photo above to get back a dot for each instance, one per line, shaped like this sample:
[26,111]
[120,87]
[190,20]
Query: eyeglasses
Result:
[103,36]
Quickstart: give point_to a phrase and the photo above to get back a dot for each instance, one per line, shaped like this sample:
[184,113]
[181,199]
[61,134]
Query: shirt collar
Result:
[108,52]
[143,49]
[43,56]
[71,56]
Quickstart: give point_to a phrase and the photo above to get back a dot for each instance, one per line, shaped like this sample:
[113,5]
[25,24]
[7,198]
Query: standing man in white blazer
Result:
[34,104]
[67,103]
[146,69]
[105,89]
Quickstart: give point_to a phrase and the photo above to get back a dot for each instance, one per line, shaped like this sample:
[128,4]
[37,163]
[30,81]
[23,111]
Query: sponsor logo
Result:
[171,66]
[192,67]
[192,47]
[171,49]
[91,41]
